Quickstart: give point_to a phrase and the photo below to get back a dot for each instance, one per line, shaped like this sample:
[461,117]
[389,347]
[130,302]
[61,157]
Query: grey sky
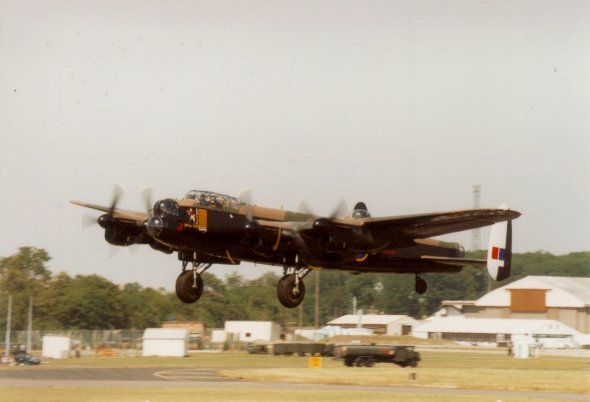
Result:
[405,105]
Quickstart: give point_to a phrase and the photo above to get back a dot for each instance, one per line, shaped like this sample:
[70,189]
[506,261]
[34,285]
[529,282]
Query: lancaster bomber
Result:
[206,228]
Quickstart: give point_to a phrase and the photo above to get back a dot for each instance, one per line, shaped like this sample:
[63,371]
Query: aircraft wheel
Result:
[288,293]
[186,290]
[421,286]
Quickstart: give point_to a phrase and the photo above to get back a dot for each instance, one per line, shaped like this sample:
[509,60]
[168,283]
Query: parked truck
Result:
[368,355]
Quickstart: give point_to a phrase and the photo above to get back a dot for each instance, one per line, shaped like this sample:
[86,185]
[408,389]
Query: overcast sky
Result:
[402,104]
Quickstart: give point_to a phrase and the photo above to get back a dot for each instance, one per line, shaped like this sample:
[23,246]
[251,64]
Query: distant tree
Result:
[91,302]
[48,300]
[546,264]
[22,275]
[334,299]
[143,307]
[397,295]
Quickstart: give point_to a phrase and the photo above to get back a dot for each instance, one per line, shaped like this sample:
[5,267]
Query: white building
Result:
[380,324]
[249,331]
[165,342]
[549,333]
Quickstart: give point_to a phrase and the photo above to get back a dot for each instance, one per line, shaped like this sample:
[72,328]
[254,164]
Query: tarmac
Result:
[32,377]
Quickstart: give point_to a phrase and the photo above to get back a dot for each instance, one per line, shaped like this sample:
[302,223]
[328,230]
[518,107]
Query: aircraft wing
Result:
[137,217]
[434,224]
[400,228]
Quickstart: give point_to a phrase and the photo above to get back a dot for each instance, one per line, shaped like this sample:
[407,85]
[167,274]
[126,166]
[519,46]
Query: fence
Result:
[84,340]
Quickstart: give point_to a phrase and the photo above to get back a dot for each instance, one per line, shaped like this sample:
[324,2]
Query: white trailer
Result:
[249,331]
[56,346]
[165,342]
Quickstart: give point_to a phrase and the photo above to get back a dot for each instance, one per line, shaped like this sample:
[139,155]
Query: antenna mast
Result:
[475,233]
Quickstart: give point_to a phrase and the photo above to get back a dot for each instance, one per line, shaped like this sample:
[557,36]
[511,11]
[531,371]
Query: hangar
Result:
[549,333]
[564,299]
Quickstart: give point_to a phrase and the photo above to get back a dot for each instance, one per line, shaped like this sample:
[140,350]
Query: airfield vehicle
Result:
[292,348]
[368,355]
[303,349]
[23,358]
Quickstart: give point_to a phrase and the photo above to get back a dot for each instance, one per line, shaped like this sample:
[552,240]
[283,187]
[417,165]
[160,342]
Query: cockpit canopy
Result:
[211,199]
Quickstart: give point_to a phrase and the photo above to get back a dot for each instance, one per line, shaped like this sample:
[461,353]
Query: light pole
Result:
[8,319]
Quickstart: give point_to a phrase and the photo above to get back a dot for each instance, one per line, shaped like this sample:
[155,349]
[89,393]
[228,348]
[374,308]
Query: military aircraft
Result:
[207,228]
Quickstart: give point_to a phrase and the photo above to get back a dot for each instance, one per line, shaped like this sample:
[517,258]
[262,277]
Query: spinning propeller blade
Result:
[147,196]
[117,194]
[340,210]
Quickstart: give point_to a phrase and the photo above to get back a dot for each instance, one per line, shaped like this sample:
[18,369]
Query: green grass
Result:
[226,395]
[475,378]
[471,370]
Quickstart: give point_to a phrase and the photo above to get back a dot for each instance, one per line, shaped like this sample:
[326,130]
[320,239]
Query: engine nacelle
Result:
[122,236]
[121,233]
[161,247]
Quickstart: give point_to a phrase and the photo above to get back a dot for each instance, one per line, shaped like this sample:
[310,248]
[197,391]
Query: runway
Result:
[167,377]
[82,374]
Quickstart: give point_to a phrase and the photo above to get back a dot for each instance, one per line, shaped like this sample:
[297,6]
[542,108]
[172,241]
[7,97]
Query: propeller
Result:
[303,208]
[117,194]
[340,210]
[113,251]
[90,220]
[106,219]
[324,224]
[245,196]
[147,196]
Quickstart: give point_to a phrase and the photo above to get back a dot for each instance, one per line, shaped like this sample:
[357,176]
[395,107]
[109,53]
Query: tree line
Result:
[93,302]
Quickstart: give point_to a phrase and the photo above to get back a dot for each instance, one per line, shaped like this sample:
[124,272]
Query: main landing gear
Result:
[189,284]
[420,286]
[291,289]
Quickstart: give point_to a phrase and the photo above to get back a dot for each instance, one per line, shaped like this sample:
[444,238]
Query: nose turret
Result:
[154,226]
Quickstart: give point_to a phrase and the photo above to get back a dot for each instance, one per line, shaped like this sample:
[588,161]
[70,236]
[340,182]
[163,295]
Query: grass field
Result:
[491,371]
[229,395]
[479,370]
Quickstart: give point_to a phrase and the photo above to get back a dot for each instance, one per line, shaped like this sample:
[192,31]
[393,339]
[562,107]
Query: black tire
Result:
[287,292]
[348,362]
[185,289]
[369,362]
[421,286]
[413,363]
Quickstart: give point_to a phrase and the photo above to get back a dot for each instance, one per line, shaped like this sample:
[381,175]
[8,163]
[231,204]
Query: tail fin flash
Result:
[500,250]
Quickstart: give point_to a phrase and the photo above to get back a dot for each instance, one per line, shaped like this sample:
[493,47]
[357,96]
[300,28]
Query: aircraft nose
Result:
[155,226]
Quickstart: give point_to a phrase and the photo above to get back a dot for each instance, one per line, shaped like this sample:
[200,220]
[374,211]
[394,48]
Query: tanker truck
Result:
[368,355]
